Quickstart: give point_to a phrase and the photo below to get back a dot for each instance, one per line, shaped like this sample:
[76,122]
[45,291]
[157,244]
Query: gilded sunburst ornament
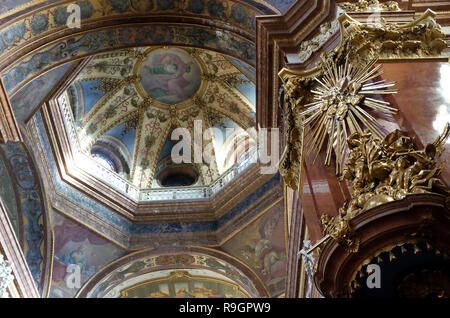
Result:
[338,105]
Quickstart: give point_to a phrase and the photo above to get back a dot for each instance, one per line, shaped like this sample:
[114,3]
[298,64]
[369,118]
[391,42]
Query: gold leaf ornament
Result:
[340,105]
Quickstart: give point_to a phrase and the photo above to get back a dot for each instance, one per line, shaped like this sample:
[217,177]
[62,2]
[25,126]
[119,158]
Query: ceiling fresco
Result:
[76,245]
[224,25]
[170,76]
[138,96]
[267,7]
[186,283]
[194,264]
[263,246]
[80,46]
[27,100]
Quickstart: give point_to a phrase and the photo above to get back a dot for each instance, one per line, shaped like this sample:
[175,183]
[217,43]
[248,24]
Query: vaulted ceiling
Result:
[135,98]
[114,72]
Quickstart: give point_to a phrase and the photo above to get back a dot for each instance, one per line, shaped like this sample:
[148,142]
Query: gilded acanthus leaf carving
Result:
[384,170]
[369,6]
[380,39]
[307,48]
[292,158]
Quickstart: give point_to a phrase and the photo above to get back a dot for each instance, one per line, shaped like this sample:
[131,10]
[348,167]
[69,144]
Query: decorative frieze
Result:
[422,38]
[369,6]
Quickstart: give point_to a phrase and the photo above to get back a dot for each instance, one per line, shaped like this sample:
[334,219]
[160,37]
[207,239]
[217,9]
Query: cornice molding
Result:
[276,35]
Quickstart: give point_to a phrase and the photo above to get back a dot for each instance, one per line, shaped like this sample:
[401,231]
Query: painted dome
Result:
[128,105]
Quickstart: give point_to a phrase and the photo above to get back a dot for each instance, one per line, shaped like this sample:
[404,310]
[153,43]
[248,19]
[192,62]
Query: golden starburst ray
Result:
[337,107]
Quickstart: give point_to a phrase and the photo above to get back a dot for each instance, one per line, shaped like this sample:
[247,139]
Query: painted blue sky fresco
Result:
[127,138]
[91,96]
[27,99]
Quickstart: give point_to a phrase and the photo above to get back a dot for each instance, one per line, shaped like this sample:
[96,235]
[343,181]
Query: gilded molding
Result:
[421,38]
[307,48]
[369,6]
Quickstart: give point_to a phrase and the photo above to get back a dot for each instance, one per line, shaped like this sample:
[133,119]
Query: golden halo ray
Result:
[337,110]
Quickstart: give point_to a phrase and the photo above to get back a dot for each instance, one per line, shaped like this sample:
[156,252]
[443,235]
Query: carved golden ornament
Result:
[420,38]
[384,170]
[369,6]
[308,47]
[361,44]
[338,228]
[337,109]
[381,171]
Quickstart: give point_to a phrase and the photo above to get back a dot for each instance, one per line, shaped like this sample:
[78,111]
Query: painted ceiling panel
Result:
[80,248]
[267,6]
[167,148]
[245,68]
[247,88]
[91,94]
[282,5]
[182,283]
[127,137]
[152,135]
[27,99]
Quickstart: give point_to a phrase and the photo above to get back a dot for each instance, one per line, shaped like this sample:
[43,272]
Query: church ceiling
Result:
[26,100]
[120,97]
[267,6]
[227,26]
[140,95]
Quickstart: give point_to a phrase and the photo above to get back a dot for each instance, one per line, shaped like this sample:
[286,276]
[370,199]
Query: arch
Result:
[237,145]
[150,261]
[116,151]
[43,41]
[33,220]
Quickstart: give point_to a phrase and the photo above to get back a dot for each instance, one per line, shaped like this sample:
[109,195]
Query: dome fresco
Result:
[170,76]
[132,100]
